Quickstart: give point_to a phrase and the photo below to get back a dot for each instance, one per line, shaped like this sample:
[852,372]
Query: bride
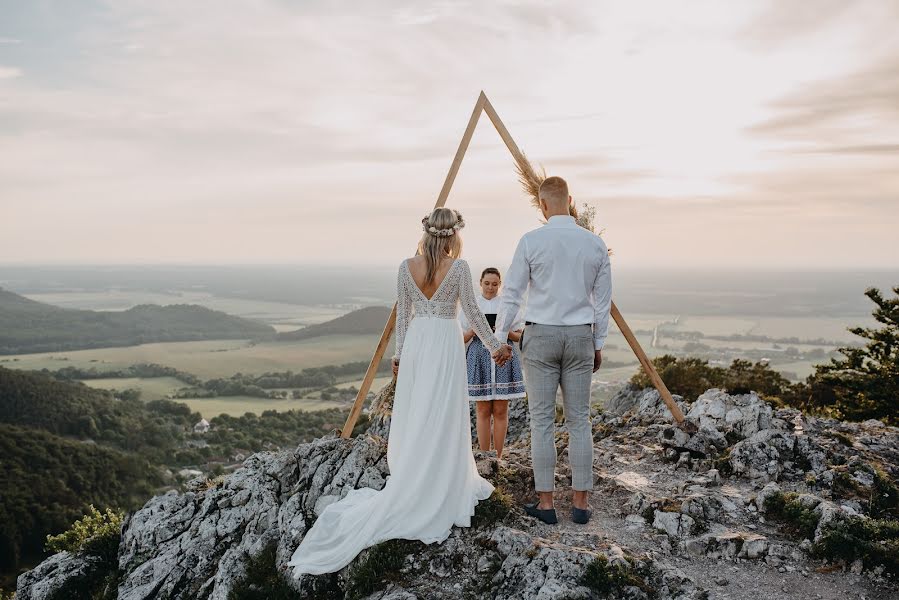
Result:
[433,482]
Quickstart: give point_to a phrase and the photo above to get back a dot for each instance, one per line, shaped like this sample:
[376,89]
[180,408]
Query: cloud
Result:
[9,72]
[858,149]
[279,130]
[786,22]
[865,99]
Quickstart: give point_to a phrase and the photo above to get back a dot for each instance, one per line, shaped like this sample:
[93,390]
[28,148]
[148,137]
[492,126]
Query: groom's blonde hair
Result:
[554,190]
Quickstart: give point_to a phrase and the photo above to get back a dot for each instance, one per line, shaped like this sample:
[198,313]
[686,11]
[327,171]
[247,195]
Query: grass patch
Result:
[881,499]
[843,438]
[787,509]
[874,541]
[380,566]
[722,464]
[262,581]
[670,505]
[605,579]
[494,509]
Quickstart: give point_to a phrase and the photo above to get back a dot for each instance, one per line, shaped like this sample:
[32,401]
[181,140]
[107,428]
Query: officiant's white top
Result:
[567,270]
[488,306]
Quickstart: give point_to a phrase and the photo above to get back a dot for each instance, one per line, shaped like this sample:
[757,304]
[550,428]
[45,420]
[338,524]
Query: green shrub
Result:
[799,518]
[873,541]
[605,579]
[689,377]
[95,534]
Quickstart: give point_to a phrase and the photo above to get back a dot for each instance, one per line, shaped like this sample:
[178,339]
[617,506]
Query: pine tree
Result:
[864,382]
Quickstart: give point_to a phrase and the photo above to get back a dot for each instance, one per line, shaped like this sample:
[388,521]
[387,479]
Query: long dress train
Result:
[433,482]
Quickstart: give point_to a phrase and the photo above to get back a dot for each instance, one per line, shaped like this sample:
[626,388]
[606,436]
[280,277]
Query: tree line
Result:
[861,383]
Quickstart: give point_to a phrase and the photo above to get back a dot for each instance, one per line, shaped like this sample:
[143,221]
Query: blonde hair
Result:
[554,190]
[435,247]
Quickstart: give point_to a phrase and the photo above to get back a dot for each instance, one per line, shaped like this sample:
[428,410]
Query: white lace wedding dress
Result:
[433,482]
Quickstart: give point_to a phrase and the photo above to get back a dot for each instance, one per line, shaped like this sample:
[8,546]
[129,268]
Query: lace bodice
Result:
[455,289]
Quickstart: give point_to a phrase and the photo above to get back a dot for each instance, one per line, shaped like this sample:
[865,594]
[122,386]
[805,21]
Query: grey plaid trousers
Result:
[553,356]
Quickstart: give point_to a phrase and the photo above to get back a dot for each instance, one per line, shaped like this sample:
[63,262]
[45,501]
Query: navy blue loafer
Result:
[546,515]
[580,515]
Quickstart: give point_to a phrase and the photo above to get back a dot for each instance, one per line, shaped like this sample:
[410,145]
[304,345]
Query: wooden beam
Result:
[369,375]
[460,151]
[391,321]
[501,129]
[647,365]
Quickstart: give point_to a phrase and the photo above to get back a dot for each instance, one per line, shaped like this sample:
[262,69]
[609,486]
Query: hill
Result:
[29,326]
[370,319]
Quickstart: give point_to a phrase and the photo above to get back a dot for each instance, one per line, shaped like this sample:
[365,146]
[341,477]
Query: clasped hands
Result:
[500,357]
[503,355]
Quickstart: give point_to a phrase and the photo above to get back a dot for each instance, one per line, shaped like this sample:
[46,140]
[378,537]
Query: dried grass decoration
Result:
[530,181]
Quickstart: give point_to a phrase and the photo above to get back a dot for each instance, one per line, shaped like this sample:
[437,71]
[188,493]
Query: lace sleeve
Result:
[476,318]
[403,311]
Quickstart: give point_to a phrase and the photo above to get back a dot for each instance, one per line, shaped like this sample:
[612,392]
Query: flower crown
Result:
[430,229]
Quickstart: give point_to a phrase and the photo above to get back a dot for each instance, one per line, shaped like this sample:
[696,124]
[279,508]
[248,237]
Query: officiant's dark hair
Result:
[490,271]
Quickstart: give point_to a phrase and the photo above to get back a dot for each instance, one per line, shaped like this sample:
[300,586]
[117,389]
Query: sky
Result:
[751,135]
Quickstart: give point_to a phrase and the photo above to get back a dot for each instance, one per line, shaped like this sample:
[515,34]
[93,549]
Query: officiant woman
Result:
[491,387]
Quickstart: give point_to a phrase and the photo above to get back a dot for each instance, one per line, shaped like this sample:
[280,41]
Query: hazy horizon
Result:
[707,135]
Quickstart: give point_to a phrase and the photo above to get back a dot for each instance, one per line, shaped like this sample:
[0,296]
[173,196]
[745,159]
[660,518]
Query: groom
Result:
[565,270]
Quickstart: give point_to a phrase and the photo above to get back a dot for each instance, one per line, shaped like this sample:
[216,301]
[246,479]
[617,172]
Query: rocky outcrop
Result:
[671,508]
[55,576]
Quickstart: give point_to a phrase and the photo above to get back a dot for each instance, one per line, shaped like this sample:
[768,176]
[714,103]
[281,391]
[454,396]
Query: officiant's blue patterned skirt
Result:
[486,381]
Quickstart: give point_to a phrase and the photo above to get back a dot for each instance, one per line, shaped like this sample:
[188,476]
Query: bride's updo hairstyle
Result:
[441,238]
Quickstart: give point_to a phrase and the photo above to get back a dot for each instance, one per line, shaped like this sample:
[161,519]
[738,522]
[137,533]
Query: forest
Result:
[65,446]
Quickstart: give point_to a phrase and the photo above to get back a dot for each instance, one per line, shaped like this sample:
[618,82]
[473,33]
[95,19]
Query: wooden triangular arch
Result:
[483,105]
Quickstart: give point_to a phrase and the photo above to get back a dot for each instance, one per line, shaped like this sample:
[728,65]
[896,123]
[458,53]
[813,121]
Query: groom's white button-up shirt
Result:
[565,271]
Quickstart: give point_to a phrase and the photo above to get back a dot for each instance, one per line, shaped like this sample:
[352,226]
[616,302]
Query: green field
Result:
[376,384]
[151,388]
[155,388]
[239,405]
[211,359]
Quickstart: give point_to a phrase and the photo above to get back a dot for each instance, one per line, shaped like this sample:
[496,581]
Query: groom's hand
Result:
[597,360]
[503,355]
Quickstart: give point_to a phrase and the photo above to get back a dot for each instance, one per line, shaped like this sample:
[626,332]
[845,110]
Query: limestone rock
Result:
[51,577]
[756,460]
[675,524]
[744,414]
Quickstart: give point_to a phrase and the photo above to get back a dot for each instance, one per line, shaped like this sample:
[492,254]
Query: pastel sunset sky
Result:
[748,134]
